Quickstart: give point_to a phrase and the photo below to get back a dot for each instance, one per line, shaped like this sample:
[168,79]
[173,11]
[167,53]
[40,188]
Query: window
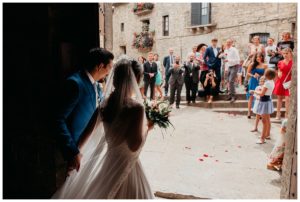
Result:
[262,36]
[200,13]
[122,27]
[123,49]
[166,25]
[146,25]
[293,29]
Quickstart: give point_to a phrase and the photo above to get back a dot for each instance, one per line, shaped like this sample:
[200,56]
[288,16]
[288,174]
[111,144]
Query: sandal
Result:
[271,167]
[254,130]
[260,142]
[268,138]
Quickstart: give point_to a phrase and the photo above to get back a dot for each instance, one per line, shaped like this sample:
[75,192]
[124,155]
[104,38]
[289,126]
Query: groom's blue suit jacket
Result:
[77,106]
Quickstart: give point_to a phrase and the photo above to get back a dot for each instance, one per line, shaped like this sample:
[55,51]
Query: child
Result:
[277,154]
[257,99]
[240,73]
[265,105]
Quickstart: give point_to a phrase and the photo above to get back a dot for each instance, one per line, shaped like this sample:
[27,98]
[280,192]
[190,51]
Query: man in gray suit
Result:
[168,62]
[191,78]
[176,81]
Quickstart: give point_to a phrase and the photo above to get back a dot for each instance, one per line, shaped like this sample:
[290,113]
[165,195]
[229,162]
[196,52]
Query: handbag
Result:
[275,59]
[247,62]
[287,85]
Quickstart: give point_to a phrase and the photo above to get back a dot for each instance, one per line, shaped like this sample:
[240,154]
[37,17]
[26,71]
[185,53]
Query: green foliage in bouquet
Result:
[158,113]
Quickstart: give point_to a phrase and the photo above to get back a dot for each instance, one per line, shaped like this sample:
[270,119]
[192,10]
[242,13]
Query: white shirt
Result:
[171,60]
[94,83]
[269,84]
[215,51]
[269,48]
[233,56]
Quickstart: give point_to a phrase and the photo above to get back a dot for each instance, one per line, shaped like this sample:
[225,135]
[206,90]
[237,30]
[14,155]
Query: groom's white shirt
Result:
[94,84]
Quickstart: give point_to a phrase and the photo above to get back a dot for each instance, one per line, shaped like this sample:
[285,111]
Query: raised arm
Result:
[205,56]
[170,71]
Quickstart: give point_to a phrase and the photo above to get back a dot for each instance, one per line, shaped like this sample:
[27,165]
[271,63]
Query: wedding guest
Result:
[254,71]
[286,42]
[203,67]
[150,71]
[142,60]
[191,78]
[256,102]
[168,62]
[270,51]
[241,73]
[211,85]
[253,48]
[284,75]
[195,52]
[158,79]
[176,81]
[265,105]
[211,58]
[224,68]
[232,60]
[277,154]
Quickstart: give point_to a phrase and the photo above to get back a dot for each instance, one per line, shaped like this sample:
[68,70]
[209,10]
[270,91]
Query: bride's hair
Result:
[122,82]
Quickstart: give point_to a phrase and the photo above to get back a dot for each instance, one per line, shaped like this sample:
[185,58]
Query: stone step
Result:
[224,104]
[243,111]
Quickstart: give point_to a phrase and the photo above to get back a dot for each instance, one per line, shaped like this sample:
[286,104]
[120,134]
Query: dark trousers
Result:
[175,88]
[150,83]
[209,90]
[218,73]
[203,76]
[191,89]
[167,84]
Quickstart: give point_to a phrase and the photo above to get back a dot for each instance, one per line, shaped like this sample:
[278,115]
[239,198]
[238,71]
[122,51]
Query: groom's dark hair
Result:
[97,56]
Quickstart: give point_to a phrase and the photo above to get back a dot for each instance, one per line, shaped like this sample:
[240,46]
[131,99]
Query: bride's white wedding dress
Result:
[110,170]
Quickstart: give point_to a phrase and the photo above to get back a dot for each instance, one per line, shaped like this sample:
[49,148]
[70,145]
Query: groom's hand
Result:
[74,163]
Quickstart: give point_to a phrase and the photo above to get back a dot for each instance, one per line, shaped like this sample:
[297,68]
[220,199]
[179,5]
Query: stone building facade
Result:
[238,21]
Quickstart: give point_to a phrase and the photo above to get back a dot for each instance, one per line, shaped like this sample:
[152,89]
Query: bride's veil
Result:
[78,184]
[97,142]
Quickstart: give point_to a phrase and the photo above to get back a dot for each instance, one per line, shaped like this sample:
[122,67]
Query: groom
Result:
[81,97]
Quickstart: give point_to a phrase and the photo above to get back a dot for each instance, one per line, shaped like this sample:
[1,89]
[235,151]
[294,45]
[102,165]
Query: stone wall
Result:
[234,20]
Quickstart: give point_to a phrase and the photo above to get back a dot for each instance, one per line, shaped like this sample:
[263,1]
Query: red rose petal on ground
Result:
[217,160]
[226,150]
[205,155]
[200,159]
[239,146]
[187,147]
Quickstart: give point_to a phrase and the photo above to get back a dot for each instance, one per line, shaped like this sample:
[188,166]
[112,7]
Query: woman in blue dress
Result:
[158,78]
[255,70]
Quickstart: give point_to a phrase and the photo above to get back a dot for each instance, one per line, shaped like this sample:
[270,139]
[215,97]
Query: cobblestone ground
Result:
[234,169]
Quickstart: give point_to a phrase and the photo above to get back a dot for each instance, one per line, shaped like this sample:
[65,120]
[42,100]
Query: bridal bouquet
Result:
[158,113]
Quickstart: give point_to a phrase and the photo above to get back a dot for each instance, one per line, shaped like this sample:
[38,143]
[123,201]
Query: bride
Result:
[111,145]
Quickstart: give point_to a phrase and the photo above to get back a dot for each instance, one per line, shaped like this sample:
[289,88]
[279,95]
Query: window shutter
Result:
[195,13]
